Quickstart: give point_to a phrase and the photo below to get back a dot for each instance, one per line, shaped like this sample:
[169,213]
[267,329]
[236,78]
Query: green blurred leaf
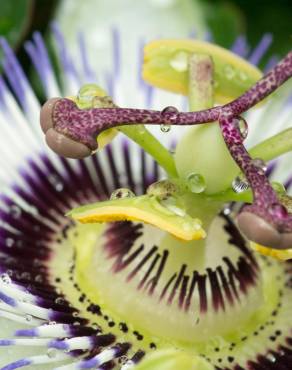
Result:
[228,18]
[14,19]
[270,16]
[224,20]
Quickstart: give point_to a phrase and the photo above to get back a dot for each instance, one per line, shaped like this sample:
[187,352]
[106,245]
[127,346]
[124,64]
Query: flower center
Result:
[166,289]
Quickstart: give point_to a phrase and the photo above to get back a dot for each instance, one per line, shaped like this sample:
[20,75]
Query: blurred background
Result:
[219,20]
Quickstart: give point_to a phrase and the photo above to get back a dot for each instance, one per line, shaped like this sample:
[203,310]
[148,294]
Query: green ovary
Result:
[207,155]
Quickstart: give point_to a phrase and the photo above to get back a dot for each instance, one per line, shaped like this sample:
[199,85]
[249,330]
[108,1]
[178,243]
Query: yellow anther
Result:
[144,209]
[279,254]
[166,66]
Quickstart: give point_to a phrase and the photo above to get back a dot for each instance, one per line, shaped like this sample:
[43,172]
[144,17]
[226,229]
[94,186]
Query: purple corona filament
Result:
[72,131]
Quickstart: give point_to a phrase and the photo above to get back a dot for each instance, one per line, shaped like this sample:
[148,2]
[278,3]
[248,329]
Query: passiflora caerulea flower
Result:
[155,274]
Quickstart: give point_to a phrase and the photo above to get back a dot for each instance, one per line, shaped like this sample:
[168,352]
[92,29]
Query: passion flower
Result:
[149,269]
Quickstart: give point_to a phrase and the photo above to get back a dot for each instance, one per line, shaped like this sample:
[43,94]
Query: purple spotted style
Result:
[81,127]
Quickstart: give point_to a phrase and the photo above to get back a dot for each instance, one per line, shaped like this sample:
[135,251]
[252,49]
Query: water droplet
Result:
[102,102]
[229,71]
[162,189]
[260,164]
[169,110]
[158,205]
[123,359]
[196,183]
[38,279]
[28,318]
[242,126]
[186,226]
[169,114]
[191,225]
[95,326]
[226,210]
[242,76]
[5,278]
[59,187]
[278,210]
[271,357]
[240,184]
[179,62]
[122,193]
[9,242]
[174,205]
[52,352]
[25,275]
[86,94]
[55,180]
[15,211]
[129,365]
[60,300]
[88,90]
[165,128]
[278,187]
[37,263]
